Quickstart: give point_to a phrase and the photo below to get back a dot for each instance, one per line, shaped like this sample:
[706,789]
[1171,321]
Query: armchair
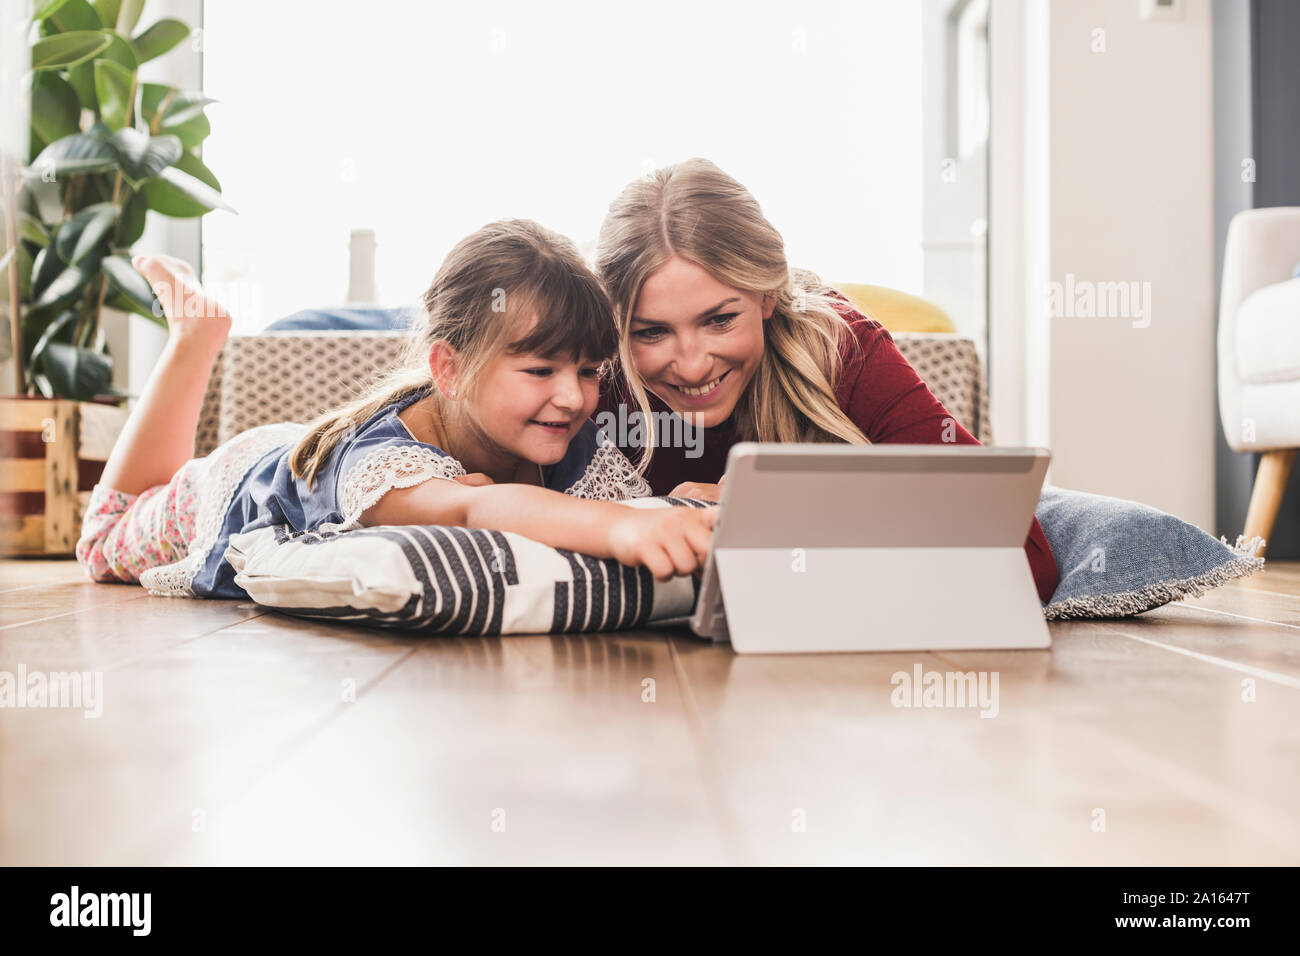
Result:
[1259,352]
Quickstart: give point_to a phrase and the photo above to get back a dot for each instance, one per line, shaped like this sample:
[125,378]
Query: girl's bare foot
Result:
[193,318]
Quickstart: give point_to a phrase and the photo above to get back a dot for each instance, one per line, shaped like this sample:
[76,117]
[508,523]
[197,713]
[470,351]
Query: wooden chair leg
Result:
[1266,496]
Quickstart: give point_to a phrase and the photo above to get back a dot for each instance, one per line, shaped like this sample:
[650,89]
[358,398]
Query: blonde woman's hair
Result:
[696,211]
[486,291]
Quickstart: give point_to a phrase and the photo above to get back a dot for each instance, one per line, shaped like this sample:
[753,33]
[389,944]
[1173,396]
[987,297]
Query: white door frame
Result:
[1018,221]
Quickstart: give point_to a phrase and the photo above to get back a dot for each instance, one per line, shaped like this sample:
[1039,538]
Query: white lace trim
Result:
[609,476]
[383,470]
[226,467]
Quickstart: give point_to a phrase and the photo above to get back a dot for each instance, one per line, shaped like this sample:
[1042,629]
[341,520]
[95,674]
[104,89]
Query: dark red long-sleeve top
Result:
[879,390]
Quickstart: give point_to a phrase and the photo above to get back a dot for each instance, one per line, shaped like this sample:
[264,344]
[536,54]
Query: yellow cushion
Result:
[896,311]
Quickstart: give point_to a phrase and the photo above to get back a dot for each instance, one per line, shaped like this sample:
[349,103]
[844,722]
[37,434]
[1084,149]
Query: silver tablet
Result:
[874,547]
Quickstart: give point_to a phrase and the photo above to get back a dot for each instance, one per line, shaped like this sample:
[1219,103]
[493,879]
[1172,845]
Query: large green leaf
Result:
[123,277]
[128,15]
[130,226]
[79,153]
[142,157]
[71,15]
[32,229]
[159,38]
[43,8]
[80,235]
[65,49]
[120,51]
[182,106]
[183,195]
[189,163]
[82,76]
[55,110]
[82,79]
[45,268]
[184,114]
[116,300]
[191,132]
[67,285]
[75,372]
[107,10]
[114,88]
[52,330]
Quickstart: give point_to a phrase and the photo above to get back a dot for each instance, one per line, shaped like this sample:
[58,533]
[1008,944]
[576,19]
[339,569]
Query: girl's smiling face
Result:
[532,406]
[695,342]
[520,406]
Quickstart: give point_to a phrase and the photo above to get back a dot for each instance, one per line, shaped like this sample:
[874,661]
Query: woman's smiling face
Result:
[695,342]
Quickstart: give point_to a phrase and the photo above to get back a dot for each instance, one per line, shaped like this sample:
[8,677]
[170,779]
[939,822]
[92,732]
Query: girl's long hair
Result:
[487,290]
[696,211]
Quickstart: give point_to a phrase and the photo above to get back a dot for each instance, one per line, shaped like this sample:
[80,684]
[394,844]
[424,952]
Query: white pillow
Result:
[443,580]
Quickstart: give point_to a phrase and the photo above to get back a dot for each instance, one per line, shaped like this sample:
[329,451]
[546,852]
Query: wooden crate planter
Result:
[53,452]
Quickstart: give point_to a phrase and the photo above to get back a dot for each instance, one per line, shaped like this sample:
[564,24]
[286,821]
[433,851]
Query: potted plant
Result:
[106,150]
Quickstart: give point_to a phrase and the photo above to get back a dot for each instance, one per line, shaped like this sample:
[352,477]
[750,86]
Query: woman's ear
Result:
[769,305]
[444,367]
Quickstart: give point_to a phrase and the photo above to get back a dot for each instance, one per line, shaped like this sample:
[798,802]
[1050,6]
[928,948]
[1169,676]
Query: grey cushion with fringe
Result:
[452,581]
[1117,558]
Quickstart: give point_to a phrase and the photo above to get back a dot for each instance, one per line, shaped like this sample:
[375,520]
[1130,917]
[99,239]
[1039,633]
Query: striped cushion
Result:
[443,580]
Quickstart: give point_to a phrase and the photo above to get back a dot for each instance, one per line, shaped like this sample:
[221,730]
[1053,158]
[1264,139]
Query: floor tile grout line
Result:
[1283,679]
[153,656]
[1242,589]
[1244,617]
[55,617]
[719,793]
[281,752]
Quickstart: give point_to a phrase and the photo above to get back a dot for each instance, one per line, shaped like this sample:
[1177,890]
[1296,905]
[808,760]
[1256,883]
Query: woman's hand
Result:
[699,490]
[668,541]
[475,479]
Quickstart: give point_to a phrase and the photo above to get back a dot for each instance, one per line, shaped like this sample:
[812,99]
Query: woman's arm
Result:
[668,541]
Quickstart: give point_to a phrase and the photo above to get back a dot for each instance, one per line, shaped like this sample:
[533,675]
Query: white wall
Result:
[1131,410]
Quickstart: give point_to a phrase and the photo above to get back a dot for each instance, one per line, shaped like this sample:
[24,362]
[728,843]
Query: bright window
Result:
[425,121]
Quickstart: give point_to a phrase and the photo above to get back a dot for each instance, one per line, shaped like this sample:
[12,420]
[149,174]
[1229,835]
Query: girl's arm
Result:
[668,541]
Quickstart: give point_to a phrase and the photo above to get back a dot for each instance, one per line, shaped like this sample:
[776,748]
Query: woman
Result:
[714,326]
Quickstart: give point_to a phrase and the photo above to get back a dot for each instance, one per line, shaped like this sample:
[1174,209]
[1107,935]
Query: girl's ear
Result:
[769,305]
[444,367]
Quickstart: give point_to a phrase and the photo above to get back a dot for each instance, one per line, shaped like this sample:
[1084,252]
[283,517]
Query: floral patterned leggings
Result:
[123,535]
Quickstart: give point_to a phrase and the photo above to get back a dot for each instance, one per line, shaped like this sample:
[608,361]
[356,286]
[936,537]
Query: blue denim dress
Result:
[247,485]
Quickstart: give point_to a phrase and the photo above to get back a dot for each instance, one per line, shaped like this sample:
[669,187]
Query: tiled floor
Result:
[229,735]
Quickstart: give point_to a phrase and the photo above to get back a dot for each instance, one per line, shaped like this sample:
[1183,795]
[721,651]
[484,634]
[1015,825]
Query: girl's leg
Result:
[159,436]
[125,535]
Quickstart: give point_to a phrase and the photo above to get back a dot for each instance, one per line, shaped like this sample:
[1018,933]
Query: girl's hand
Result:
[699,490]
[668,541]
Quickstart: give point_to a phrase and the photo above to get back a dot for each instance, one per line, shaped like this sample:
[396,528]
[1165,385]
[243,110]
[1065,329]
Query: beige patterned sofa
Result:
[295,376]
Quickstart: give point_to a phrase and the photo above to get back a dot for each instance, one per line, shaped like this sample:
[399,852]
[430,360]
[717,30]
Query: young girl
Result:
[484,425]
